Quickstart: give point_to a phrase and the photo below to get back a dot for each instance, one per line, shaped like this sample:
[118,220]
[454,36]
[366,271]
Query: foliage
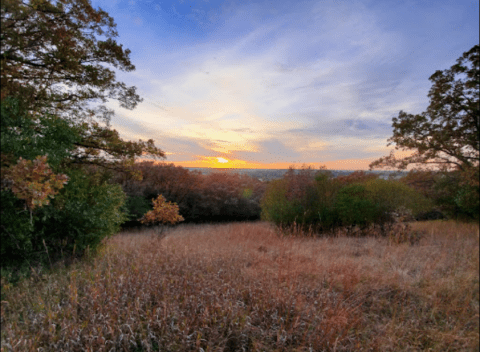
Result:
[355,208]
[314,200]
[447,133]
[57,59]
[326,190]
[227,197]
[136,207]
[27,137]
[305,197]
[448,191]
[392,196]
[356,177]
[16,232]
[56,55]
[163,212]
[81,215]
[34,181]
[201,198]
[275,205]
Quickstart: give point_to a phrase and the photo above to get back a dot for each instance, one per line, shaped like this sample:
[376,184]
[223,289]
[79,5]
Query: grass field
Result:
[242,287]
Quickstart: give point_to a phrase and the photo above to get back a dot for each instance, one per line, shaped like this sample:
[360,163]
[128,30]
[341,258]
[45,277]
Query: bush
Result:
[163,212]
[454,194]
[276,207]
[82,214]
[316,201]
[136,207]
[392,196]
[355,208]
[305,198]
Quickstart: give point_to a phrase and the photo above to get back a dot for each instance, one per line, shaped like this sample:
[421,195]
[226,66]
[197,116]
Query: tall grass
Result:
[241,286]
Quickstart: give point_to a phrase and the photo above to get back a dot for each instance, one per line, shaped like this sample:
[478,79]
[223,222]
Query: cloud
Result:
[267,81]
[360,128]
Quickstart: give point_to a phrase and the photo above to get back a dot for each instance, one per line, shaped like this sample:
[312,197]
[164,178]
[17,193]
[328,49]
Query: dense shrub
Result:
[315,200]
[136,207]
[50,210]
[454,194]
[276,207]
[356,177]
[393,196]
[305,197]
[355,207]
[82,214]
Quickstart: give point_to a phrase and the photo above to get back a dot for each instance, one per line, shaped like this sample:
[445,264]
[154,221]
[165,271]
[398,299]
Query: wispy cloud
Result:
[268,82]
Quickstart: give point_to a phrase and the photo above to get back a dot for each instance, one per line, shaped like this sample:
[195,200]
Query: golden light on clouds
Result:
[222,160]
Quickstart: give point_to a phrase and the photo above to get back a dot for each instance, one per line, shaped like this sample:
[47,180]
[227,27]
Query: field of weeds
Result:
[242,287]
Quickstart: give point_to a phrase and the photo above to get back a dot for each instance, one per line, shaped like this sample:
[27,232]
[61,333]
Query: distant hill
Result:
[273,174]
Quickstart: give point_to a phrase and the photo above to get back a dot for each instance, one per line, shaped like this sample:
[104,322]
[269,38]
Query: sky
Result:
[269,84]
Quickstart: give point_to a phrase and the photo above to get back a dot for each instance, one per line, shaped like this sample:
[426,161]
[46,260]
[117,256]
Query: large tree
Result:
[445,138]
[447,133]
[58,57]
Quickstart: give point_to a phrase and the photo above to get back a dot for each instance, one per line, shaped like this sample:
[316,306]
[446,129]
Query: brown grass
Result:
[241,286]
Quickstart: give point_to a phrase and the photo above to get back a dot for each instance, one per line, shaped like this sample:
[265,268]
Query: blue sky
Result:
[267,84]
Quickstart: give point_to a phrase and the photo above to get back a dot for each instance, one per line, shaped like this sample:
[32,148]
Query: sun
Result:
[222,160]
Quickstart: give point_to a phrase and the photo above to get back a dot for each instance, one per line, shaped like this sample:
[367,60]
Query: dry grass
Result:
[241,287]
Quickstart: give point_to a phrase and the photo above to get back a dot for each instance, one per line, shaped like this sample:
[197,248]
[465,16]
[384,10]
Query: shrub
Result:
[163,212]
[276,207]
[316,201]
[392,196]
[305,198]
[136,207]
[81,215]
[355,208]
[455,194]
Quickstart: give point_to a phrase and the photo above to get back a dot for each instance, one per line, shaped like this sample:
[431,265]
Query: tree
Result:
[58,58]
[52,58]
[163,212]
[53,63]
[447,133]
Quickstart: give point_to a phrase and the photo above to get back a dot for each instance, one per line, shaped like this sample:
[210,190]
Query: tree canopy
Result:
[58,54]
[447,133]
[58,59]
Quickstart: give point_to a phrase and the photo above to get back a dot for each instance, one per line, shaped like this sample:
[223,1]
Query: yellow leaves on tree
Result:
[163,212]
[34,181]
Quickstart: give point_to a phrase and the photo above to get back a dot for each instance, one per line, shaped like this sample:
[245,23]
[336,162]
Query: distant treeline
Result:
[216,197]
[273,174]
[308,196]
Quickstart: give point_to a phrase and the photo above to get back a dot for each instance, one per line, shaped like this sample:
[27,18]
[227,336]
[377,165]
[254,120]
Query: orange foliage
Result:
[34,181]
[216,196]
[163,211]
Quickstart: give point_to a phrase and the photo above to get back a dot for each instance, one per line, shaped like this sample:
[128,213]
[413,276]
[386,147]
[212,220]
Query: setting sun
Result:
[222,160]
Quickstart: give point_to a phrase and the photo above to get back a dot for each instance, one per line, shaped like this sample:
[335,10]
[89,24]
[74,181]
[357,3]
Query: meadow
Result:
[247,287]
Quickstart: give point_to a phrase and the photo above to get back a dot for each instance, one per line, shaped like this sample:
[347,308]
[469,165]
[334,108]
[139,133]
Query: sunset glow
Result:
[256,84]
